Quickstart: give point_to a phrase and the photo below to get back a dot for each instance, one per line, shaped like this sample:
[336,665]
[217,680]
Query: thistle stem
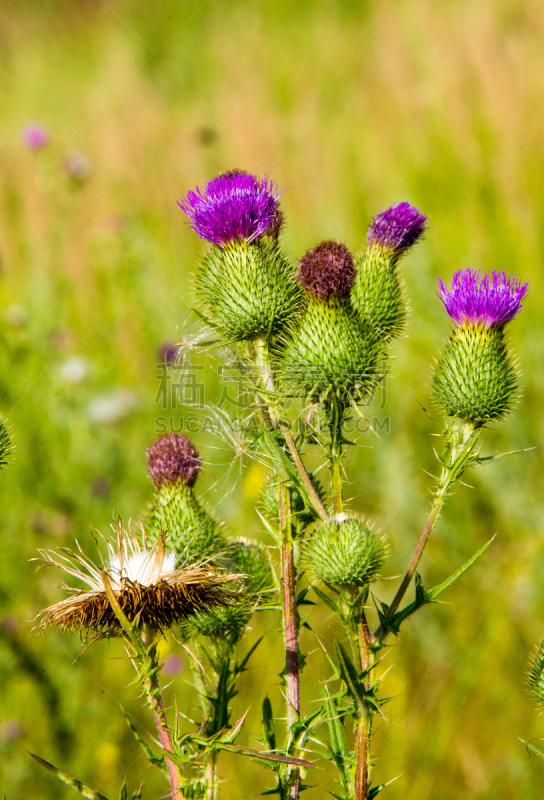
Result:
[154,698]
[290,624]
[263,362]
[211,775]
[459,446]
[336,419]
[364,725]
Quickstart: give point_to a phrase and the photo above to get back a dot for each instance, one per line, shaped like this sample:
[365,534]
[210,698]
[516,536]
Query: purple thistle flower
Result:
[168,353]
[173,458]
[235,206]
[327,270]
[482,299]
[397,228]
[35,137]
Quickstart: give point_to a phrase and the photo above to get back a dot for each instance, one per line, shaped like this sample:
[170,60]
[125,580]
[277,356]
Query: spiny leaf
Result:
[532,748]
[158,761]
[327,600]
[267,724]
[65,778]
[437,590]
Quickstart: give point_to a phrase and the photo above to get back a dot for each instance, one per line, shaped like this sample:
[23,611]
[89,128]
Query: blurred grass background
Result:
[353,106]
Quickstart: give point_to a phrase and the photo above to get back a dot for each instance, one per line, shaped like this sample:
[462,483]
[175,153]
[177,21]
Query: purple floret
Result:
[173,458]
[482,299]
[235,206]
[327,270]
[398,227]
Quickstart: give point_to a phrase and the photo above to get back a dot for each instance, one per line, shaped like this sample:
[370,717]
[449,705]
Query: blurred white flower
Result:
[74,370]
[112,407]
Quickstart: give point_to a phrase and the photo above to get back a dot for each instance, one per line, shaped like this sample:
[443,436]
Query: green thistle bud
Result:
[193,534]
[249,289]
[474,378]
[377,293]
[330,352]
[247,558]
[345,553]
[251,559]
[535,675]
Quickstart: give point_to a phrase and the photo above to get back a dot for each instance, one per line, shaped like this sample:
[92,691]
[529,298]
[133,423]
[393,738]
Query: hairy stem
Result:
[290,625]
[154,698]
[263,362]
[454,461]
[211,775]
[364,725]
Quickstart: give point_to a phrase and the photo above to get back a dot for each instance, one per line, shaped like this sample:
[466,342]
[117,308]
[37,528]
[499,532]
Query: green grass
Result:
[352,106]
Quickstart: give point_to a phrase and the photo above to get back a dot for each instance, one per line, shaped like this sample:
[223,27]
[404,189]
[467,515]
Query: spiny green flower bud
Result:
[330,351]
[193,534]
[377,291]
[474,378]
[250,558]
[345,553]
[245,558]
[535,675]
[249,289]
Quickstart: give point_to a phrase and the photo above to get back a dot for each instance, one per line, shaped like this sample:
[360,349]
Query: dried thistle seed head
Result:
[236,206]
[145,582]
[327,270]
[173,459]
[345,553]
[476,298]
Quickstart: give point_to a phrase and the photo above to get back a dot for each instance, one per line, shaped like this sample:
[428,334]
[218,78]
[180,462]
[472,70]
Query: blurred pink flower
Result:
[35,137]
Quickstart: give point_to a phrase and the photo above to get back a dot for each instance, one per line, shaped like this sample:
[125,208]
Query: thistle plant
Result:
[310,341]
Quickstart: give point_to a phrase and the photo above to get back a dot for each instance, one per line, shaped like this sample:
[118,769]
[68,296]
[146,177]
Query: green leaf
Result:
[242,665]
[267,725]
[436,591]
[137,793]
[532,748]
[123,792]
[327,600]
[65,778]
[157,761]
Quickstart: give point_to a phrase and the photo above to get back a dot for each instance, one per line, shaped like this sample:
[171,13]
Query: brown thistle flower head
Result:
[145,582]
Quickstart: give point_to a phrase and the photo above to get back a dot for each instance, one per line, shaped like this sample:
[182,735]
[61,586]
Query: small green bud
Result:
[377,293]
[535,675]
[249,289]
[474,379]
[250,559]
[345,553]
[331,351]
[218,623]
[193,534]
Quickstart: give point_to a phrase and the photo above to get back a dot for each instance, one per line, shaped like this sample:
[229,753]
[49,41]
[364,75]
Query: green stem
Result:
[211,775]
[459,446]
[263,362]
[336,420]
[364,724]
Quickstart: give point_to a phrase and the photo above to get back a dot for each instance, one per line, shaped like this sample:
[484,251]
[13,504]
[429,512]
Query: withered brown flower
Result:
[145,582]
